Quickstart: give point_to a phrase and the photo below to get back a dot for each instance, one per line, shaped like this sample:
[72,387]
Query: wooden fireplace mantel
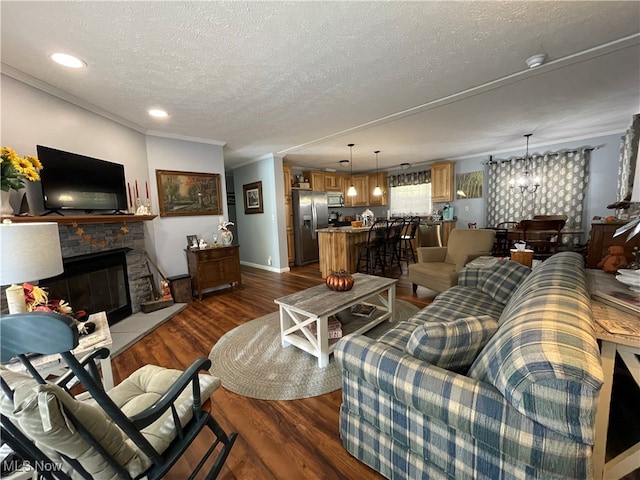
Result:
[82,219]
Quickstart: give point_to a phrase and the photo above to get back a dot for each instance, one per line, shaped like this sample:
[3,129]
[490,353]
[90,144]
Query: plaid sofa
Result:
[524,407]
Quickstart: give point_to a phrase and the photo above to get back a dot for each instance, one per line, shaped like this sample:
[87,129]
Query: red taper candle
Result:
[146,185]
[137,194]
[130,199]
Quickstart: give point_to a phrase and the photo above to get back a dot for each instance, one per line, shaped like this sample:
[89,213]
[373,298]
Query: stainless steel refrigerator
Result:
[310,212]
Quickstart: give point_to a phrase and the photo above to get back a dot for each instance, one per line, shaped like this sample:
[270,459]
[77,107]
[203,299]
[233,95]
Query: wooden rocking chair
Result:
[138,429]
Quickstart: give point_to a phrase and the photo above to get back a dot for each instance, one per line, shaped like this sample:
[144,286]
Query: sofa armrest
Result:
[465,404]
[431,254]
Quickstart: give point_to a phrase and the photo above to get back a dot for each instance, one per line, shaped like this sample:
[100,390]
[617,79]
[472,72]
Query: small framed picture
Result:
[192,241]
[253,198]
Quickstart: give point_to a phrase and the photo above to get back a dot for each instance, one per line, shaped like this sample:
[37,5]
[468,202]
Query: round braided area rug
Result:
[251,362]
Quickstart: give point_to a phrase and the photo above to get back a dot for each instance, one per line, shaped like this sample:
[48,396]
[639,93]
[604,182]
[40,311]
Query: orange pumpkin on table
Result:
[614,261]
[339,281]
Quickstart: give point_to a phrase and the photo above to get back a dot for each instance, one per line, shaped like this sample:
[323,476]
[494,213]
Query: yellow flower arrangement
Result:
[14,169]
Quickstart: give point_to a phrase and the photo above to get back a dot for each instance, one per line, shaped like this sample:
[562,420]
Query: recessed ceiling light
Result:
[157,113]
[67,60]
[536,60]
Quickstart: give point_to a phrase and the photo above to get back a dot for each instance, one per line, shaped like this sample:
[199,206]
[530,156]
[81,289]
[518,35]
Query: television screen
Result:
[75,182]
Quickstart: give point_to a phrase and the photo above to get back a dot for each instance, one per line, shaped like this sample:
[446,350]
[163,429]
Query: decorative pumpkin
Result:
[340,281]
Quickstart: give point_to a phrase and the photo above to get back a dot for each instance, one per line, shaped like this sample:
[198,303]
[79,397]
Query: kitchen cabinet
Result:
[601,238]
[361,183]
[442,182]
[288,215]
[316,180]
[325,181]
[213,266]
[333,182]
[381,180]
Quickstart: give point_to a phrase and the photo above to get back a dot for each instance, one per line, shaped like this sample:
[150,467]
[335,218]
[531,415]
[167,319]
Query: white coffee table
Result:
[316,304]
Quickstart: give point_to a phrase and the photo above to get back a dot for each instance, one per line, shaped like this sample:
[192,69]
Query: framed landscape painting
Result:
[188,193]
[253,198]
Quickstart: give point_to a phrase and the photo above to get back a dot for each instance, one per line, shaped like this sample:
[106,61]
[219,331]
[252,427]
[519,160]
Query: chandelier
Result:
[526,183]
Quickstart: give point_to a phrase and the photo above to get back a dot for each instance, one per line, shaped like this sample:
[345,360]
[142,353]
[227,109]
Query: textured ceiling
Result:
[420,81]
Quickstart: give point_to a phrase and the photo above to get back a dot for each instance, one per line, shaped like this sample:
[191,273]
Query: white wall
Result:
[262,235]
[169,233]
[31,117]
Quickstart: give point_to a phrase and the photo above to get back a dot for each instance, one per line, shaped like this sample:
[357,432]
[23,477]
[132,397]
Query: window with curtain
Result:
[563,181]
[407,200]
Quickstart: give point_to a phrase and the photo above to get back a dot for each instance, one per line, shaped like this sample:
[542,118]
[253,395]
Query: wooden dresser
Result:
[214,266]
[601,238]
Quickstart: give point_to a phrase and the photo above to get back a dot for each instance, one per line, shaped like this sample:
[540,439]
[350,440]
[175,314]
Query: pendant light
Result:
[377,192]
[526,184]
[352,190]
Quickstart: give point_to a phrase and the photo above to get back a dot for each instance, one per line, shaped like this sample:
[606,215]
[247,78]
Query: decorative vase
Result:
[6,210]
[226,236]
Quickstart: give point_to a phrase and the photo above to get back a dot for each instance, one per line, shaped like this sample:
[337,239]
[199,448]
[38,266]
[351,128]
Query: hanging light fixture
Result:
[352,190]
[377,192]
[526,183]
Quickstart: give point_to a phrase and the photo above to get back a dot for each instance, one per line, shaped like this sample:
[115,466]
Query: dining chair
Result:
[542,236]
[551,217]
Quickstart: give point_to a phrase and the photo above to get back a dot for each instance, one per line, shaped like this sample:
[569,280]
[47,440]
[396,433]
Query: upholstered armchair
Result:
[438,267]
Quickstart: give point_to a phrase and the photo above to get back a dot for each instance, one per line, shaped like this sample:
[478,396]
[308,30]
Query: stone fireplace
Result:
[105,268]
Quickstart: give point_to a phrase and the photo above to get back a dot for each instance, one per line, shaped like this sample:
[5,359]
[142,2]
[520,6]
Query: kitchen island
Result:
[338,248]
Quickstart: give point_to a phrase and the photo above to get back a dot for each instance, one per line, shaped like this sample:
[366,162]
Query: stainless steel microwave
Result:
[335,199]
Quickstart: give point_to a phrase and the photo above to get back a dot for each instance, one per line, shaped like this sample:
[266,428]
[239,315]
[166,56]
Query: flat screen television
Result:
[75,182]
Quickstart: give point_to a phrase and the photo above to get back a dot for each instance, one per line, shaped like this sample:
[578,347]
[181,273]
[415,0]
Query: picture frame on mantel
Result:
[252,193]
[188,193]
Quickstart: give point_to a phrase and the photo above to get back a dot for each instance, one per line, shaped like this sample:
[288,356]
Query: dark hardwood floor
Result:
[297,439]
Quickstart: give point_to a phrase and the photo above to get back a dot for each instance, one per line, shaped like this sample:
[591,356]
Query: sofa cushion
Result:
[458,302]
[502,280]
[453,344]
[545,360]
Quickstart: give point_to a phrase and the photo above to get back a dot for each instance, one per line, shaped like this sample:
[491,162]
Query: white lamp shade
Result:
[29,252]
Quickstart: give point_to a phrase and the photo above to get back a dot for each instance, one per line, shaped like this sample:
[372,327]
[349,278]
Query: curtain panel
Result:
[563,182]
[411,178]
[628,155]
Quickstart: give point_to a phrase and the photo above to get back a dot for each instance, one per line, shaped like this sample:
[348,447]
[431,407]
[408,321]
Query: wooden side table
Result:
[214,266]
[524,257]
[613,312]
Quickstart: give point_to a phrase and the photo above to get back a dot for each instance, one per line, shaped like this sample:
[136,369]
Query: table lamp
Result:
[28,252]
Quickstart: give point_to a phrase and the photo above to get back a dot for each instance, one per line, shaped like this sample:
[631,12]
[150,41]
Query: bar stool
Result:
[408,238]
[370,253]
[393,243]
